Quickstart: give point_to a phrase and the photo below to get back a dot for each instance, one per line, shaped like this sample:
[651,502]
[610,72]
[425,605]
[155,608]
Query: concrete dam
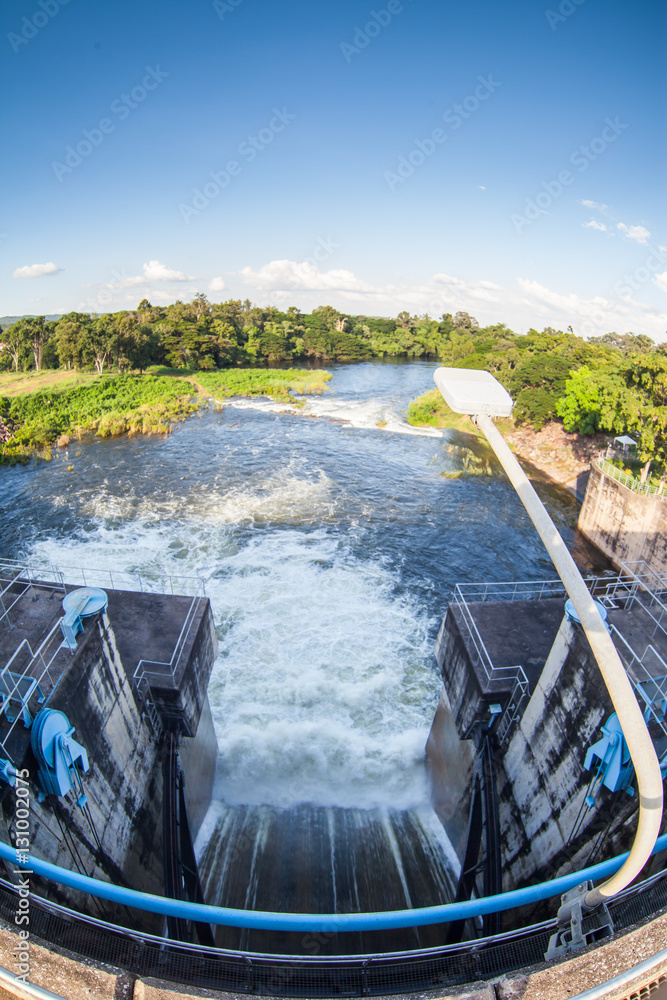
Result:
[106,721]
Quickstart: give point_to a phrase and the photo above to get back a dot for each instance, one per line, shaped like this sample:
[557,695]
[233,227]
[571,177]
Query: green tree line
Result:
[616,382]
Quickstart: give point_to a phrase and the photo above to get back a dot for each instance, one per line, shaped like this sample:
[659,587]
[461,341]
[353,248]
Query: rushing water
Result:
[330,546]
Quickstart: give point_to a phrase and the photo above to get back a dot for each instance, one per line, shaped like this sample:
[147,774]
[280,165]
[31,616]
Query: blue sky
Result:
[505,159]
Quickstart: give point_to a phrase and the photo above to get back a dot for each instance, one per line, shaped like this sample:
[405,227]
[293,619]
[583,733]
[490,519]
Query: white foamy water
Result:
[323,689]
[283,496]
[367,414]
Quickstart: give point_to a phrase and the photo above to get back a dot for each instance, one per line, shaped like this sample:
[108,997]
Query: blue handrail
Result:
[329,922]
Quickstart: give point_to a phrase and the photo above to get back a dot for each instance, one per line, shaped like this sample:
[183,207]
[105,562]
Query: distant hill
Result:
[8,320]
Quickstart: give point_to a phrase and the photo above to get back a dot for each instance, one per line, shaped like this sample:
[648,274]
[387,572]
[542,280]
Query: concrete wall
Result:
[464,694]
[119,837]
[449,762]
[625,526]
[541,779]
[198,759]
[543,783]
[180,699]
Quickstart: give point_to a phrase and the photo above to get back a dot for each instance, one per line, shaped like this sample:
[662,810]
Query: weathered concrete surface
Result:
[148,627]
[516,634]
[66,976]
[449,762]
[123,785]
[625,526]
[198,759]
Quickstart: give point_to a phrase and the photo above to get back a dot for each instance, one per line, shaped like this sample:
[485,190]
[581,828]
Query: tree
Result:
[97,342]
[201,306]
[627,395]
[141,346]
[462,319]
[69,333]
[328,316]
[38,330]
[15,339]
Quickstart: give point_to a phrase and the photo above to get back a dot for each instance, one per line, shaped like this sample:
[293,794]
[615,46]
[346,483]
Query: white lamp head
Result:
[468,390]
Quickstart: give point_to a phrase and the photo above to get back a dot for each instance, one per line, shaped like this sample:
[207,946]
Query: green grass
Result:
[275,382]
[47,407]
[110,405]
[430,410]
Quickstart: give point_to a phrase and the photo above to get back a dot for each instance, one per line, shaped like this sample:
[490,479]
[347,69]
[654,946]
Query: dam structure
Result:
[107,776]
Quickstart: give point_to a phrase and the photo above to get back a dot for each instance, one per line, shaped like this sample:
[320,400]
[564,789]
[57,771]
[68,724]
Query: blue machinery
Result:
[60,758]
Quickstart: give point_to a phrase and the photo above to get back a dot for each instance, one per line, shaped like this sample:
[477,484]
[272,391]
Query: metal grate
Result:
[313,977]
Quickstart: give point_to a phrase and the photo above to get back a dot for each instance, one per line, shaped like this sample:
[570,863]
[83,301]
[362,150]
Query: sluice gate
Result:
[324,901]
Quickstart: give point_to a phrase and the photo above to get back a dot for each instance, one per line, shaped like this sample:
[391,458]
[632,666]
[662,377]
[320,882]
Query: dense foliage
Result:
[111,405]
[612,383]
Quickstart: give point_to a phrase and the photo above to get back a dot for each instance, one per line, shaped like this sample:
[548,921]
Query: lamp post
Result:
[481,396]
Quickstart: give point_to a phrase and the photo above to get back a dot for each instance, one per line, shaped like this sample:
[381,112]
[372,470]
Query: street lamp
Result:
[482,397]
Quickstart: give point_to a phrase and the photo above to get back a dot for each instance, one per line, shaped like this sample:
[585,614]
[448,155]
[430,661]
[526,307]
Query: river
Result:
[330,546]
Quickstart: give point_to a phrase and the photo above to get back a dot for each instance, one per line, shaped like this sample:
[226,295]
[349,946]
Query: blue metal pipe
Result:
[327,923]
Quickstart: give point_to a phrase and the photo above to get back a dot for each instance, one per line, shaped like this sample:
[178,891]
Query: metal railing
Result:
[604,588]
[514,708]
[310,975]
[143,673]
[636,583]
[38,679]
[649,590]
[86,576]
[645,576]
[631,482]
[514,676]
[15,580]
[650,686]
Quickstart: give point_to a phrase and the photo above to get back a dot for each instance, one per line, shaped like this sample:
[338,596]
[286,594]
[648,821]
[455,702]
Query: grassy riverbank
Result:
[43,409]
[278,383]
[558,454]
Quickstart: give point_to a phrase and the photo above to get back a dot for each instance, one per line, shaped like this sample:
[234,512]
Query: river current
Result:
[330,541]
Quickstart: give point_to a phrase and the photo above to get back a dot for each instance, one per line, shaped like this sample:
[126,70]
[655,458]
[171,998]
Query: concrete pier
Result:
[546,827]
[118,835]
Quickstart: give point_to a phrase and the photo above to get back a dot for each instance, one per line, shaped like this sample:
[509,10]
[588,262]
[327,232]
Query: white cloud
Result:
[661,281]
[637,233]
[520,304]
[216,285]
[481,187]
[155,270]
[36,270]
[594,204]
[282,275]
[594,224]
